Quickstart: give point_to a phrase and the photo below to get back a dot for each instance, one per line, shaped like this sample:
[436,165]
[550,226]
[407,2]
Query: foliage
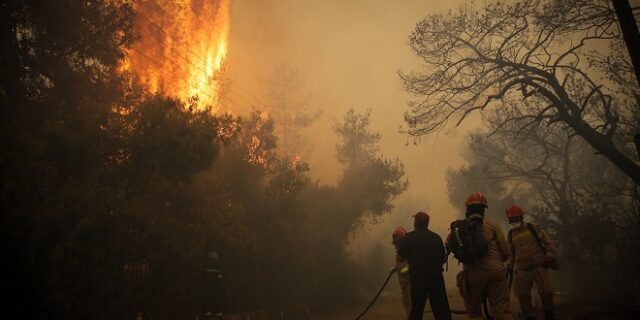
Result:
[370,180]
[559,107]
[542,52]
[112,199]
[579,197]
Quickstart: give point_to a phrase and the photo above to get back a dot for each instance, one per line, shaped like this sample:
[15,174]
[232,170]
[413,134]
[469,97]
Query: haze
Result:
[348,54]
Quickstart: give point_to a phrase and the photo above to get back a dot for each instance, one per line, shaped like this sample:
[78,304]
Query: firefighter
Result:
[402,269]
[482,278]
[424,251]
[533,254]
[212,294]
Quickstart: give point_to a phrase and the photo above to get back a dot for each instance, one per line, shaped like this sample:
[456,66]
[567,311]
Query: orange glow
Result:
[258,151]
[295,163]
[180,49]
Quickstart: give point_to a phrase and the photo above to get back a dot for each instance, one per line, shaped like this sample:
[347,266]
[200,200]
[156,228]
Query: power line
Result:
[159,63]
[246,91]
[168,36]
[251,103]
[226,98]
[180,69]
[193,53]
[175,63]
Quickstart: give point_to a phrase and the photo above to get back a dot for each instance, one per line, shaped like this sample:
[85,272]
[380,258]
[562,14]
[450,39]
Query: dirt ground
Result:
[389,307]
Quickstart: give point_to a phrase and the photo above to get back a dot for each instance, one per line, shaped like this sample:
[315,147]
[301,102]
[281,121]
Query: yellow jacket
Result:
[498,251]
[528,253]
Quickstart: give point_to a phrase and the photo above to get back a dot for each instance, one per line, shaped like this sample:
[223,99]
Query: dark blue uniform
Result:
[424,251]
[212,294]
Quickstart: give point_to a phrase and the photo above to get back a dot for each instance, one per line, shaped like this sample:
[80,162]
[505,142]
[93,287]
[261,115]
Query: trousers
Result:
[476,285]
[429,285]
[523,283]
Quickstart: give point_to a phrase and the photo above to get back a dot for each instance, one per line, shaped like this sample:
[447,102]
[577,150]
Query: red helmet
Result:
[514,211]
[476,198]
[399,232]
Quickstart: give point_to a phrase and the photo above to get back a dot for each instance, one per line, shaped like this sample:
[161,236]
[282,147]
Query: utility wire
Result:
[176,64]
[179,68]
[233,83]
[160,64]
[168,36]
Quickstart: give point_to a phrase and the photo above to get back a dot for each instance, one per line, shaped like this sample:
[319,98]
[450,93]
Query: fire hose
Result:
[391,272]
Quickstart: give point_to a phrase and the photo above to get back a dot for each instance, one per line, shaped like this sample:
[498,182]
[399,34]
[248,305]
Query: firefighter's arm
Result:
[551,248]
[503,247]
[444,251]
[512,258]
[446,242]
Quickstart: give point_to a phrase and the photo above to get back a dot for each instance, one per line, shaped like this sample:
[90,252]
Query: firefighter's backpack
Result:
[466,241]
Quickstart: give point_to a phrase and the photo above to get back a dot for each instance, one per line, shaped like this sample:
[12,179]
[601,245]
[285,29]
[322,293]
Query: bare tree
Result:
[630,32]
[536,170]
[580,197]
[534,50]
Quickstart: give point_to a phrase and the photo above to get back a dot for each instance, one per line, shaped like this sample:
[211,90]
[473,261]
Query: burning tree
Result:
[545,52]
[113,195]
[180,49]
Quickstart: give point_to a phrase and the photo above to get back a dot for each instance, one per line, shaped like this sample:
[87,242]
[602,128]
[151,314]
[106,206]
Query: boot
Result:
[547,303]
[549,315]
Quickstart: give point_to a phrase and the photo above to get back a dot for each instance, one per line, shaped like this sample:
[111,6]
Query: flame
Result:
[180,49]
[295,163]
[258,152]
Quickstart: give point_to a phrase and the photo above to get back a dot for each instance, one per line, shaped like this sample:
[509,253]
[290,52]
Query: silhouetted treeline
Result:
[112,198]
[559,108]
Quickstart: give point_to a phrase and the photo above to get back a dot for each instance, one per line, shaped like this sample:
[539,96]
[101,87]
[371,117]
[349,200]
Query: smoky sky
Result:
[349,53]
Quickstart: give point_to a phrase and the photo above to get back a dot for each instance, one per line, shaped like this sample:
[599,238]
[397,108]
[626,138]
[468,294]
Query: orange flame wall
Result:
[180,48]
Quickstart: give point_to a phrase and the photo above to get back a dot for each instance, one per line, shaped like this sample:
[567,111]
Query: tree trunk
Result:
[636,140]
[630,32]
[603,145]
